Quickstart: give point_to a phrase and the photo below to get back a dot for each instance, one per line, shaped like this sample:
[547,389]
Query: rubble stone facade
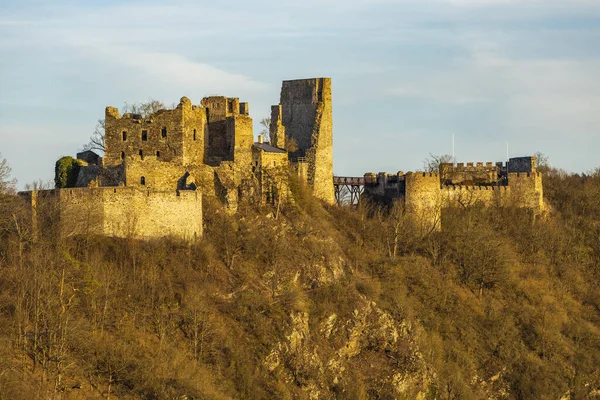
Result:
[302,122]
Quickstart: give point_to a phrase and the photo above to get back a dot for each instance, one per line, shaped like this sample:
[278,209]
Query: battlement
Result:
[470,167]
[420,175]
[517,175]
[474,187]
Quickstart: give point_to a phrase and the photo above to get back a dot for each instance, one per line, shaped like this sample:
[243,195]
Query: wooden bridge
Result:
[348,189]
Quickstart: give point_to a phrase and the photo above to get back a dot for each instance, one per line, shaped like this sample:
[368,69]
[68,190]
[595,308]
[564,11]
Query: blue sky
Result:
[406,74]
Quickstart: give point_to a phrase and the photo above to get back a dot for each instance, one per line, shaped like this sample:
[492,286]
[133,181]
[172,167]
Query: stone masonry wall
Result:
[131,137]
[307,118]
[127,212]
[240,127]
[220,139]
[423,198]
[276,128]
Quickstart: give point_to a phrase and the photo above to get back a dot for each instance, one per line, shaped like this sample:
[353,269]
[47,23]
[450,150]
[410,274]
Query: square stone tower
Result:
[302,123]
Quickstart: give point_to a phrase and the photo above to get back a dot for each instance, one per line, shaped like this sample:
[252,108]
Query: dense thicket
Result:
[496,305]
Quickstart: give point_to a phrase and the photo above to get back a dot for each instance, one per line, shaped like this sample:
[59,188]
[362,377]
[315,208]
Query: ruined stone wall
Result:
[221,141]
[271,172]
[168,132]
[125,212]
[157,147]
[276,128]
[239,127]
[306,114]
[157,174]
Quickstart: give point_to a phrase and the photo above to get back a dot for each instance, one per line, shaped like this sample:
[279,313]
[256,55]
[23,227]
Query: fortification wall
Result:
[526,190]
[123,212]
[470,174]
[151,214]
[468,196]
[423,198]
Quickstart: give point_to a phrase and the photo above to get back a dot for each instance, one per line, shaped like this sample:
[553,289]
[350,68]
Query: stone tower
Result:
[303,117]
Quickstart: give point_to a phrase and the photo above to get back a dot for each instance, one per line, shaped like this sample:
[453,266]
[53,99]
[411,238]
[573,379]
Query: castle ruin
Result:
[425,194]
[157,168]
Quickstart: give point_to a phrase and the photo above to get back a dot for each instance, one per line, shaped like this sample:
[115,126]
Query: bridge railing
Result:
[349,180]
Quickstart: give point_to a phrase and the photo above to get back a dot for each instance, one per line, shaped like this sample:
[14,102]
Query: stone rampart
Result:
[124,212]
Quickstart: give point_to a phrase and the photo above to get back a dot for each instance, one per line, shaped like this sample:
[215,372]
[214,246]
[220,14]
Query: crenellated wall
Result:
[464,185]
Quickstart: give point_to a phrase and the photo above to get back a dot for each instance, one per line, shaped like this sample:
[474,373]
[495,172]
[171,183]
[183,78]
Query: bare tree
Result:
[433,162]
[266,131]
[7,185]
[144,109]
[96,142]
[39,185]
[542,160]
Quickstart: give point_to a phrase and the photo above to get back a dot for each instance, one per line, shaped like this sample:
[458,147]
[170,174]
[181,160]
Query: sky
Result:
[406,74]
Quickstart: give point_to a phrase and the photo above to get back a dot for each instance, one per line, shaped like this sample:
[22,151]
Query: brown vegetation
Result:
[343,302]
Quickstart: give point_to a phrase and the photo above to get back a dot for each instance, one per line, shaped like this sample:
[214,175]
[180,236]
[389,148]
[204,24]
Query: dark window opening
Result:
[230,104]
[143,180]
[157,154]
[122,155]
[141,154]
[163,132]
[194,134]
[144,135]
[124,135]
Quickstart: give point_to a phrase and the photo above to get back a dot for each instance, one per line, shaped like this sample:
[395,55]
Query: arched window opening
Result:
[157,154]
[143,180]
[122,155]
[124,135]
[144,135]
[163,132]
[141,154]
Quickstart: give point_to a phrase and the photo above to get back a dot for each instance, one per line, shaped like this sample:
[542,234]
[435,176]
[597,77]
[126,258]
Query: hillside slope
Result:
[317,303]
